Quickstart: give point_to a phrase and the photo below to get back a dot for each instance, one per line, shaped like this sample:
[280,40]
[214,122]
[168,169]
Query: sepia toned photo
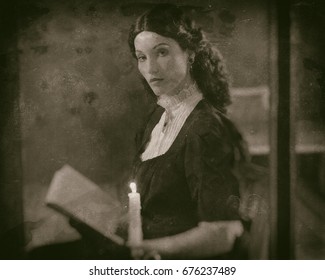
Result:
[149,130]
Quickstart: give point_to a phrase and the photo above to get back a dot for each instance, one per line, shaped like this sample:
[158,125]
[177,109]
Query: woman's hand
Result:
[208,239]
[145,251]
[149,249]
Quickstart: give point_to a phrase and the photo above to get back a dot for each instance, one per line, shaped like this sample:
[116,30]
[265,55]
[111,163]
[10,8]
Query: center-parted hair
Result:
[208,69]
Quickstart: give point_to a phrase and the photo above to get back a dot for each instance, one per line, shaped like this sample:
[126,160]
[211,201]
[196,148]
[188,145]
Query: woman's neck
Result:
[170,102]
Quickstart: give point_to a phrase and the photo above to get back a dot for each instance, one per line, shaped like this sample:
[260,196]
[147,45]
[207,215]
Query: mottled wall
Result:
[80,97]
[79,100]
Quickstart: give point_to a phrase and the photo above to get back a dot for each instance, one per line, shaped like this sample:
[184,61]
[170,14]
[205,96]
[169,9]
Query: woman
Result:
[188,149]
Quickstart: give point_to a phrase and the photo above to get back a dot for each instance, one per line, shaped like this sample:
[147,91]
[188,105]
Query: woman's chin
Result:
[158,92]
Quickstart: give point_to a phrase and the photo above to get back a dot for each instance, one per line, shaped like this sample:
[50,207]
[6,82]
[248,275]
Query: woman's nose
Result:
[152,66]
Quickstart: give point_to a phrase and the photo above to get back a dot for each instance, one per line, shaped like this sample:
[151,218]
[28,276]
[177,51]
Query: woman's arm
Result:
[206,240]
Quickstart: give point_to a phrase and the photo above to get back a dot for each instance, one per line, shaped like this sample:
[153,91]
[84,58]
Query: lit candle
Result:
[135,228]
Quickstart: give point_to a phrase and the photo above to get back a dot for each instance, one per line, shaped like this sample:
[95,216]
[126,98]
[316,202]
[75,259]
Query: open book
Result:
[76,197]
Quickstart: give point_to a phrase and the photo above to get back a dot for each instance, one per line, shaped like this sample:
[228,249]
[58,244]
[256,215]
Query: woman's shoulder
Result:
[212,126]
[208,120]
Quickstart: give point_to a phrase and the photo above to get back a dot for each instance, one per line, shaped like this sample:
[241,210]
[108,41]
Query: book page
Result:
[75,196]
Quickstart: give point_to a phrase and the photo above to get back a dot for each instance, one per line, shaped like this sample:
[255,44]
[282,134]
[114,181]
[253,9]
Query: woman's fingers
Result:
[137,253]
[140,254]
[152,255]
[236,228]
[144,252]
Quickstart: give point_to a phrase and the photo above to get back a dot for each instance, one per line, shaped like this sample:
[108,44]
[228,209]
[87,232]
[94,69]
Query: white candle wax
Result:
[135,226]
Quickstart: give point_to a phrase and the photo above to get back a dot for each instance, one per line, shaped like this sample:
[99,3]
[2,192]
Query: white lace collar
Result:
[171,103]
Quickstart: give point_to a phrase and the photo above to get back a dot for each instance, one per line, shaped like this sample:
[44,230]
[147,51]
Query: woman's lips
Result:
[155,80]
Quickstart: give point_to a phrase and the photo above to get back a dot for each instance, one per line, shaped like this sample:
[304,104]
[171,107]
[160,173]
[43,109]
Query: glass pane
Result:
[308,76]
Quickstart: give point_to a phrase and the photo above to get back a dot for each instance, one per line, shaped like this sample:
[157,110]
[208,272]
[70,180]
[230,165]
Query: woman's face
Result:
[162,63]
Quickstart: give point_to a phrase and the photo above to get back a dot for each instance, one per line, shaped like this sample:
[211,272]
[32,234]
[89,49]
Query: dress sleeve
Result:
[208,164]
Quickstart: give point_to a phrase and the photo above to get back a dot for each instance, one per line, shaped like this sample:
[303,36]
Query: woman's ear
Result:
[191,56]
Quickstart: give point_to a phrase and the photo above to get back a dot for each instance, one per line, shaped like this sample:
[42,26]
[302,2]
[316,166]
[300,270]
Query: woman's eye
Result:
[162,52]
[141,58]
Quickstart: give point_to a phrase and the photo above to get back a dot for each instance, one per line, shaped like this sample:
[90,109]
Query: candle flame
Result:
[133,187]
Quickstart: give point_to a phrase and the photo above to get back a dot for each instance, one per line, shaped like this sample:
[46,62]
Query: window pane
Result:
[307,85]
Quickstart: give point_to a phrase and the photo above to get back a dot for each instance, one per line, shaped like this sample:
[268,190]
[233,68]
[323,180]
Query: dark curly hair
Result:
[208,69]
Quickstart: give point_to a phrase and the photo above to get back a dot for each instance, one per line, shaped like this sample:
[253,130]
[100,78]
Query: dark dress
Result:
[194,180]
